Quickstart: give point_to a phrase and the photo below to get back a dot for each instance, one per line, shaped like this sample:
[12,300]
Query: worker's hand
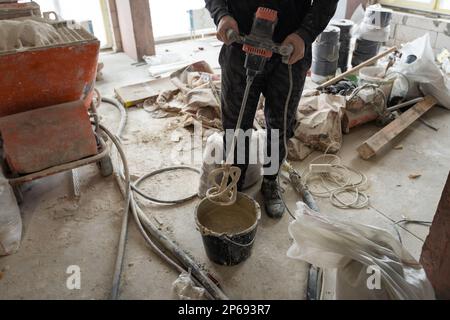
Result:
[299,47]
[225,24]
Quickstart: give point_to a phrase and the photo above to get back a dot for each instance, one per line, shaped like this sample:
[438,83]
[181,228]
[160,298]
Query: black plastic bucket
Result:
[364,50]
[228,232]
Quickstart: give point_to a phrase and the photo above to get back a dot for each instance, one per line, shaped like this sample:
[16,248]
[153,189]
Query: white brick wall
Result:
[443,41]
[406,27]
[406,33]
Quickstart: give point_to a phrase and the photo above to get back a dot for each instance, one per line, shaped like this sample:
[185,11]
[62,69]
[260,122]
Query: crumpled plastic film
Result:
[419,66]
[375,25]
[352,248]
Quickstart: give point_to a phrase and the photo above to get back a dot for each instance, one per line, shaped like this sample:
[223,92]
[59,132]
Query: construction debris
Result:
[319,123]
[165,62]
[356,251]
[419,66]
[370,148]
[185,288]
[365,104]
[135,94]
[192,92]
[357,68]
[196,97]
[16,35]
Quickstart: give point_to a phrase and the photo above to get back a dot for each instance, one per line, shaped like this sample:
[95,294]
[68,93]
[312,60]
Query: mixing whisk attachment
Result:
[225,193]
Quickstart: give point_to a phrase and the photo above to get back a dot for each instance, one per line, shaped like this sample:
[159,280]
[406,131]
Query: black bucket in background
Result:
[345,39]
[365,50]
[325,55]
[380,17]
[228,248]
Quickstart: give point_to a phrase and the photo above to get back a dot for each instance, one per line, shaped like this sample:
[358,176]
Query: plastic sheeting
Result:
[375,25]
[355,250]
[185,288]
[418,65]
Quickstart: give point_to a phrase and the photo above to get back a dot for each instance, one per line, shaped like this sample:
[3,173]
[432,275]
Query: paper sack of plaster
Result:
[319,122]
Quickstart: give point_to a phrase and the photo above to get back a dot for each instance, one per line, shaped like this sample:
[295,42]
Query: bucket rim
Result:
[206,232]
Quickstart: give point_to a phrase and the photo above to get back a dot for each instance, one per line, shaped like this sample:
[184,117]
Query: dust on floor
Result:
[61,231]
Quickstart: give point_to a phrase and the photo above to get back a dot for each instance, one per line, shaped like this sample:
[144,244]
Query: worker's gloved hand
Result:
[299,47]
[225,24]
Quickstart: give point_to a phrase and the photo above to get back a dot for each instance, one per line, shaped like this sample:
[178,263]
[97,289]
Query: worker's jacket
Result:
[305,17]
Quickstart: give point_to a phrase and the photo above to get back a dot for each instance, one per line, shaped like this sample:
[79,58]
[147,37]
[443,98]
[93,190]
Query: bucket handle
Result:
[228,239]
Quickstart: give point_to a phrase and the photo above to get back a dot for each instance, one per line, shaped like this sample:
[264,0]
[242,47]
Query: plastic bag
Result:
[419,66]
[186,289]
[10,220]
[213,156]
[375,25]
[352,248]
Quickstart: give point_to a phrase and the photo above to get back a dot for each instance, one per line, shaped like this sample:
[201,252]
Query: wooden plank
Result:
[136,29]
[143,29]
[370,148]
[134,94]
[117,46]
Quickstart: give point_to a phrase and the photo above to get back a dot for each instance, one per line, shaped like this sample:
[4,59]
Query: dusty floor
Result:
[61,231]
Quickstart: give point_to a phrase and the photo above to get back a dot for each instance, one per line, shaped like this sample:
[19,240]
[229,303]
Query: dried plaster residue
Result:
[17,35]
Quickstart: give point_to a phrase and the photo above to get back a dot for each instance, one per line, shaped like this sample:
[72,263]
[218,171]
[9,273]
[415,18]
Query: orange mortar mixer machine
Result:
[48,119]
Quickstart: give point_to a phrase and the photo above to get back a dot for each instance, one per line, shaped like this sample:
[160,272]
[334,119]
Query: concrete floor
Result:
[60,231]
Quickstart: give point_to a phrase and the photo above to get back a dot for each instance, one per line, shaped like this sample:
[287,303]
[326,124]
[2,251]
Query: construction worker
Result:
[299,24]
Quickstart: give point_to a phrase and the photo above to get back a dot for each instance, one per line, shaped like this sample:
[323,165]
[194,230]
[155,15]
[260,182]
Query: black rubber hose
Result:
[200,277]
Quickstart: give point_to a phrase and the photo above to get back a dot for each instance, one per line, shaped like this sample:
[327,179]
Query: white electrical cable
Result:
[343,185]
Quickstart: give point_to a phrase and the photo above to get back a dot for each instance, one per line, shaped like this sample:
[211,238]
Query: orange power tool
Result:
[259,45]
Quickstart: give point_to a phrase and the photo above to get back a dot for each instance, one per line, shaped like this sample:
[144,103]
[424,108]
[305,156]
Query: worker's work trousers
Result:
[273,84]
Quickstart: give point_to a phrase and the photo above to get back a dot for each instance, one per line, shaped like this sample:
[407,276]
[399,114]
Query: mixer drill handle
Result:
[233,36]
[285,52]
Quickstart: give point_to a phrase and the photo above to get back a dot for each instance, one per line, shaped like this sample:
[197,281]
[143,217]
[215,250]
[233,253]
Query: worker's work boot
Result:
[272,199]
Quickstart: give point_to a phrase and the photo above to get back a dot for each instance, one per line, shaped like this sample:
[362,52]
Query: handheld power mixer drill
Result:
[259,48]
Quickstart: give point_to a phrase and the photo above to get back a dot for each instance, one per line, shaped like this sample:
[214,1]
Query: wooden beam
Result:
[136,28]
[117,45]
[370,148]
[134,94]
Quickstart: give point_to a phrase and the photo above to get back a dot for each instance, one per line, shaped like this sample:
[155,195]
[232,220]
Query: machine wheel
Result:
[106,167]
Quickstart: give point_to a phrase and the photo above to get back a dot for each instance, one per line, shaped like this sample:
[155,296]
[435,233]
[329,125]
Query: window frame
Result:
[433,6]
[439,9]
